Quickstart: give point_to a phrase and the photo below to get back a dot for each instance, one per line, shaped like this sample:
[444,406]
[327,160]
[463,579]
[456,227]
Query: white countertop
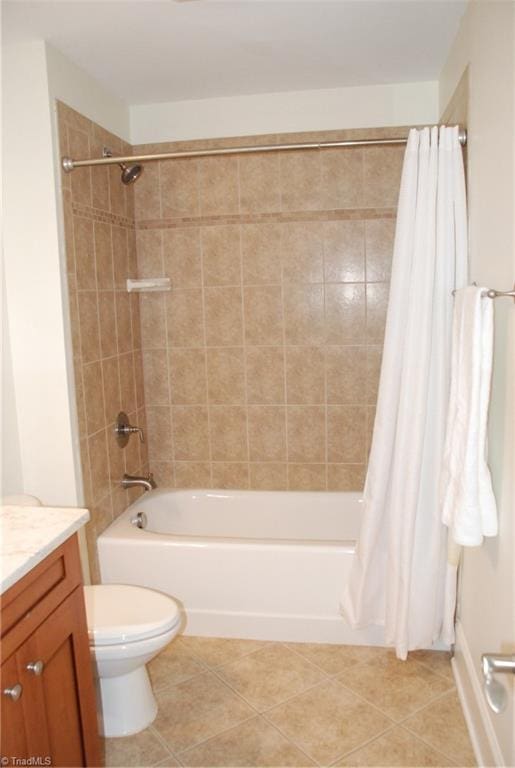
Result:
[29,534]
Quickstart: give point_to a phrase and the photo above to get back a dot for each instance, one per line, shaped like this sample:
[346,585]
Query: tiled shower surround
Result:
[261,365]
[106,340]
[260,368]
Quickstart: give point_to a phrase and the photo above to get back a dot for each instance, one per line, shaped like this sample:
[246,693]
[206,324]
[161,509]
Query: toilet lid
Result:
[118,613]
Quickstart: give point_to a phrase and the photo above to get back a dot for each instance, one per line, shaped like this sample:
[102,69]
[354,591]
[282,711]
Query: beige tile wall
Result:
[261,365]
[101,254]
[260,368]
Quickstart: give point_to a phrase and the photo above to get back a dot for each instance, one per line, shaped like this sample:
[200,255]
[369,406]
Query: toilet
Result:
[127,627]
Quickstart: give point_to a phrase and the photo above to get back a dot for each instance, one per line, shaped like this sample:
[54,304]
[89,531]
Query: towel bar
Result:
[491,293]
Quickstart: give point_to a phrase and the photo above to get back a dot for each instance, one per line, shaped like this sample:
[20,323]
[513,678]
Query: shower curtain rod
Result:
[69,164]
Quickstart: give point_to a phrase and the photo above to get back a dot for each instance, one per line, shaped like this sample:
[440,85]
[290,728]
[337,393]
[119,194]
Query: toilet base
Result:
[127,703]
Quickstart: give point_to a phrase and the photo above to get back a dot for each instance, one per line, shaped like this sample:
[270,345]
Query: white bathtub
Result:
[267,565]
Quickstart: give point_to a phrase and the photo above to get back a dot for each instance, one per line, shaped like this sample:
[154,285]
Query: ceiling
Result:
[148,51]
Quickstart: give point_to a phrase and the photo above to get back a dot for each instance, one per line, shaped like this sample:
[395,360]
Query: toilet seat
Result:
[123,613]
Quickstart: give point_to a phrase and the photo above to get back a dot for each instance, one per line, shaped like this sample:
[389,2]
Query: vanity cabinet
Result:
[48,708]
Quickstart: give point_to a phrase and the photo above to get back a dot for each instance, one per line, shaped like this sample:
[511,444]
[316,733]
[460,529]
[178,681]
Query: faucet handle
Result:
[139,430]
[124,429]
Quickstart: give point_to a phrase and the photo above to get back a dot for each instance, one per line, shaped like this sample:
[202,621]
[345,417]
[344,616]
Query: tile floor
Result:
[249,703]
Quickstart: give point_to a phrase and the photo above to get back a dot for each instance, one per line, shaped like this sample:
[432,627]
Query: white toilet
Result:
[127,627]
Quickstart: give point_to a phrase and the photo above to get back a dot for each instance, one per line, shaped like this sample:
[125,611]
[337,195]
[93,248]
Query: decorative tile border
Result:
[344,214]
[96,214]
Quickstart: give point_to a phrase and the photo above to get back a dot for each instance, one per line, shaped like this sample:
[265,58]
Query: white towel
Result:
[468,503]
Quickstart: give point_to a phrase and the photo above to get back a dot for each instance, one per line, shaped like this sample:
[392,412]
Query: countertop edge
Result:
[10,579]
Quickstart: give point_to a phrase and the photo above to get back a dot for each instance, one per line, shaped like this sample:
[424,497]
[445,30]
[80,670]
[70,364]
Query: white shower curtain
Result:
[400,570]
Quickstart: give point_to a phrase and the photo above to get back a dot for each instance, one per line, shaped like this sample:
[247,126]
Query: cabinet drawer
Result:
[26,604]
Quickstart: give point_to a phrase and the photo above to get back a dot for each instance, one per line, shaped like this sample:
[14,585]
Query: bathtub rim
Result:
[121,527]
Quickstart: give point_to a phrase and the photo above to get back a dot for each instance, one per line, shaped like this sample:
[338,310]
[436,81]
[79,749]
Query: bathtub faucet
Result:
[148,482]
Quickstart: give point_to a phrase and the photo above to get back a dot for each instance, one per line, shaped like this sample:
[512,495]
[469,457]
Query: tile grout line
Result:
[264,715]
[209,668]
[428,744]
[324,351]
[404,722]
[374,739]
[375,706]
[87,457]
[244,342]
[229,685]
[398,724]
[435,671]
[280,703]
[204,669]
[167,350]
[289,739]
[205,347]
[163,742]
[322,346]
[363,700]
[283,346]
[102,381]
[363,744]
[196,744]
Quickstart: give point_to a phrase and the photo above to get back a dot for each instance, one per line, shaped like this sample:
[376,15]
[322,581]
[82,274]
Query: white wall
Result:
[70,84]
[43,422]
[34,297]
[11,476]
[358,107]
[485,43]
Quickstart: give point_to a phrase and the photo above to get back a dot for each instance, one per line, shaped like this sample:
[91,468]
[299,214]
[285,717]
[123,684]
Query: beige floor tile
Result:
[328,721]
[214,651]
[395,749]
[142,749]
[442,725]
[396,687]
[173,665]
[269,676]
[254,743]
[168,762]
[437,661]
[333,659]
[197,709]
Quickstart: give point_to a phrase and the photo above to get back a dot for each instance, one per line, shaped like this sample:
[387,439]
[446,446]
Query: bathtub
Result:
[267,565]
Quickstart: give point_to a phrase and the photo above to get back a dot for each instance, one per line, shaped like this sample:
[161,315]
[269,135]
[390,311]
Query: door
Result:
[42,714]
[13,738]
[61,645]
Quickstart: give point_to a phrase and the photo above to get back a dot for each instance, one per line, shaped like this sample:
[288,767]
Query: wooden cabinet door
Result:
[66,684]
[13,738]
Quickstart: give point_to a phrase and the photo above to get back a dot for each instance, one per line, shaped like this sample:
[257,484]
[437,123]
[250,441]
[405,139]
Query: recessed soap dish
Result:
[149,284]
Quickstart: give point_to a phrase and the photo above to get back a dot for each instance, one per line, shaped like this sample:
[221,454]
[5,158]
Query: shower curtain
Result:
[400,574]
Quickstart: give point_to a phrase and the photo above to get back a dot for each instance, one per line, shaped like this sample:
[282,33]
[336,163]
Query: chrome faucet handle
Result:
[133,430]
[123,429]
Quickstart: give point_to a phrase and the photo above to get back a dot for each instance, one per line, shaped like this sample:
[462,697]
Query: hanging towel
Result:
[468,503]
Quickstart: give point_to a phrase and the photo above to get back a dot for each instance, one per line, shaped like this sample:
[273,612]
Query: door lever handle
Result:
[495,692]
[502,662]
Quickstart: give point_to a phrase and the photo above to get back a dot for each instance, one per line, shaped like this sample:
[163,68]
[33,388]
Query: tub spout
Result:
[148,482]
